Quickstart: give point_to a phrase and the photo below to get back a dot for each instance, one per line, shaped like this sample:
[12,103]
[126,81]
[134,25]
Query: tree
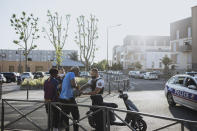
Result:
[26,29]
[85,38]
[166,61]
[102,65]
[138,65]
[73,56]
[117,66]
[57,33]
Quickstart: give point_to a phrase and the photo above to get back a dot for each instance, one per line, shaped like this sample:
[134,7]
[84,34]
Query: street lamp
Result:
[3,55]
[109,27]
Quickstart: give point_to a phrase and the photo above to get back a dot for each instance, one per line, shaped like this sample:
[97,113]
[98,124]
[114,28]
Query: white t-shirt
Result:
[99,83]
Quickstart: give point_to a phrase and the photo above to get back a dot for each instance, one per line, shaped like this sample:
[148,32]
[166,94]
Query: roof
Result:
[68,63]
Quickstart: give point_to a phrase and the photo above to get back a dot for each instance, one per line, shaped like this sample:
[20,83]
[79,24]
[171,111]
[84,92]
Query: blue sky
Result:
[138,17]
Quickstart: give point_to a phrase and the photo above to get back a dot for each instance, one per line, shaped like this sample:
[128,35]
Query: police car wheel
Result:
[170,100]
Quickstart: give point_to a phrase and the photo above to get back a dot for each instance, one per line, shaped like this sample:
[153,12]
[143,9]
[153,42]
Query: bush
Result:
[81,81]
[34,83]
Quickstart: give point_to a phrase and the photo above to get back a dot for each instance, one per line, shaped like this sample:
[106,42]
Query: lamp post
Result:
[3,55]
[109,27]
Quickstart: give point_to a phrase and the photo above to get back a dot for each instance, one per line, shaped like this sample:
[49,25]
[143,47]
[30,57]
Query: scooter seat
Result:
[113,105]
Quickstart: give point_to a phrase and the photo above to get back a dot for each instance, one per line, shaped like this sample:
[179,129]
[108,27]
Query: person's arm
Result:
[99,87]
[87,85]
[96,91]
[72,80]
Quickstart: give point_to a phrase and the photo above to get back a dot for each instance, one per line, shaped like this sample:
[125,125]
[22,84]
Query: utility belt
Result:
[97,99]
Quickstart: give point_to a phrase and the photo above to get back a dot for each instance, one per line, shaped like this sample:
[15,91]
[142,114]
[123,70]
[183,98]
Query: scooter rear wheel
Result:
[139,125]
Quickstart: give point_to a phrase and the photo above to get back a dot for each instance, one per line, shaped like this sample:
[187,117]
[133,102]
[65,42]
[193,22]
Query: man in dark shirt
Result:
[51,95]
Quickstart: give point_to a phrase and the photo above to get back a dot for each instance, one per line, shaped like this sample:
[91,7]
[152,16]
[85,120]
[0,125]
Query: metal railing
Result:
[105,110]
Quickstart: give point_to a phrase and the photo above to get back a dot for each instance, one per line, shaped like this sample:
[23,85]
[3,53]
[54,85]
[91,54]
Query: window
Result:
[179,80]
[160,64]
[39,68]
[189,81]
[171,80]
[189,32]
[177,34]
[11,68]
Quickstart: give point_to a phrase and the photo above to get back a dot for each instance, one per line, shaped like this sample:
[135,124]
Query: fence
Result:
[105,110]
[116,81]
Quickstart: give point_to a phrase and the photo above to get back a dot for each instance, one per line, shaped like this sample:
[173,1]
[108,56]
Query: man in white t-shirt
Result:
[97,88]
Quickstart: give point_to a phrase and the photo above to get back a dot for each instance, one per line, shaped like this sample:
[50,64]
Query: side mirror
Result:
[192,87]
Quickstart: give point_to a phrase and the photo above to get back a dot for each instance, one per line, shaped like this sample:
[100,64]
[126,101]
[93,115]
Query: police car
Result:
[182,89]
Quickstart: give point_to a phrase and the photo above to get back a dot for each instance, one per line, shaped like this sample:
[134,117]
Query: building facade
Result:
[147,50]
[183,41]
[38,60]
[181,44]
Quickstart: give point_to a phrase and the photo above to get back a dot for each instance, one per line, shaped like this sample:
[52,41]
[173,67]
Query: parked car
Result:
[10,76]
[150,76]
[132,73]
[47,74]
[141,75]
[84,74]
[2,78]
[39,74]
[182,89]
[25,75]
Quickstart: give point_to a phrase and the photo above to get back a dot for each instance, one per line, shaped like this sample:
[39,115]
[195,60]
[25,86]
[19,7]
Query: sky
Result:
[137,17]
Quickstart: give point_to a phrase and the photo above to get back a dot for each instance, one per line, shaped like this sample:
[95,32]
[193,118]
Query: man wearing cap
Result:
[67,96]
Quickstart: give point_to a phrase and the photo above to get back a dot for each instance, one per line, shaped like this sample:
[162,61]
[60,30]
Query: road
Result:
[148,96]
[9,87]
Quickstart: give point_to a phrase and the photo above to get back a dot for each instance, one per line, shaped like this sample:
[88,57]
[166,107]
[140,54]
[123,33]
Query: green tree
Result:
[85,38]
[73,56]
[167,62]
[26,28]
[138,65]
[117,66]
[57,33]
[102,65]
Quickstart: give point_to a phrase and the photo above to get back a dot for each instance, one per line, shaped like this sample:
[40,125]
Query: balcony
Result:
[186,48]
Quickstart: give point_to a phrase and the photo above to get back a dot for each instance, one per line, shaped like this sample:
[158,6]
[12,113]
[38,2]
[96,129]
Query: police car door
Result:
[190,94]
[179,89]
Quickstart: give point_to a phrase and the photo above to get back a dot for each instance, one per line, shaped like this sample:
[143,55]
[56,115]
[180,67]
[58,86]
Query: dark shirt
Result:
[51,89]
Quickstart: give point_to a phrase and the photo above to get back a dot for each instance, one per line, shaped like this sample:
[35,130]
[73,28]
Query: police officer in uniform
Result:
[97,87]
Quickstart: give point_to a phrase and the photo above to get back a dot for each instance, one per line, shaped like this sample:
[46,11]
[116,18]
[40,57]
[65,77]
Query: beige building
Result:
[14,66]
[183,41]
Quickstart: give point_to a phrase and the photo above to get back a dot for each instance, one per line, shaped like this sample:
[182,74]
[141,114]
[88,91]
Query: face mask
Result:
[93,77]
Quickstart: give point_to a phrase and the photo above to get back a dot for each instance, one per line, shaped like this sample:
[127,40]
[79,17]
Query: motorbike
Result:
[134,120]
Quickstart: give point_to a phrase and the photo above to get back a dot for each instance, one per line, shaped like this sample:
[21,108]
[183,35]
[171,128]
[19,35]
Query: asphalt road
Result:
[148,96]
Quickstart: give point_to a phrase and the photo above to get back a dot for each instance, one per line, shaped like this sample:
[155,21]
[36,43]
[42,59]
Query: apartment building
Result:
[148,50]
[183,41]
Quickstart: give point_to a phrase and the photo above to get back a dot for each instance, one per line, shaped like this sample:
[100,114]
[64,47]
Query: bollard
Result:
[2,116]
[109,88]
[118,86]
[1,90]
[27,90]
[124,84]
[49,116]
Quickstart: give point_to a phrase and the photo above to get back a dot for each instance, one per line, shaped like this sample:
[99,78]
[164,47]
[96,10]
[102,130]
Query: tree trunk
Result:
[26,63]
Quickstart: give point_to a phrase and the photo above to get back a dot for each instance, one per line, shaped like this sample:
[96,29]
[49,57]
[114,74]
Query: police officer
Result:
[97,87]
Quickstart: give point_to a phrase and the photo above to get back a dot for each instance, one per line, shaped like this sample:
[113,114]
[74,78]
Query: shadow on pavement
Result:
[182,112]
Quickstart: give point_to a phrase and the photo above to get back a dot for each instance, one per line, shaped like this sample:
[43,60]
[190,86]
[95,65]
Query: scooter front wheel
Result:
[139,125]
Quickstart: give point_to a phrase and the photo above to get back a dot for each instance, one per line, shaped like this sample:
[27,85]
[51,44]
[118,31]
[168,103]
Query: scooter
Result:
[133,119]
